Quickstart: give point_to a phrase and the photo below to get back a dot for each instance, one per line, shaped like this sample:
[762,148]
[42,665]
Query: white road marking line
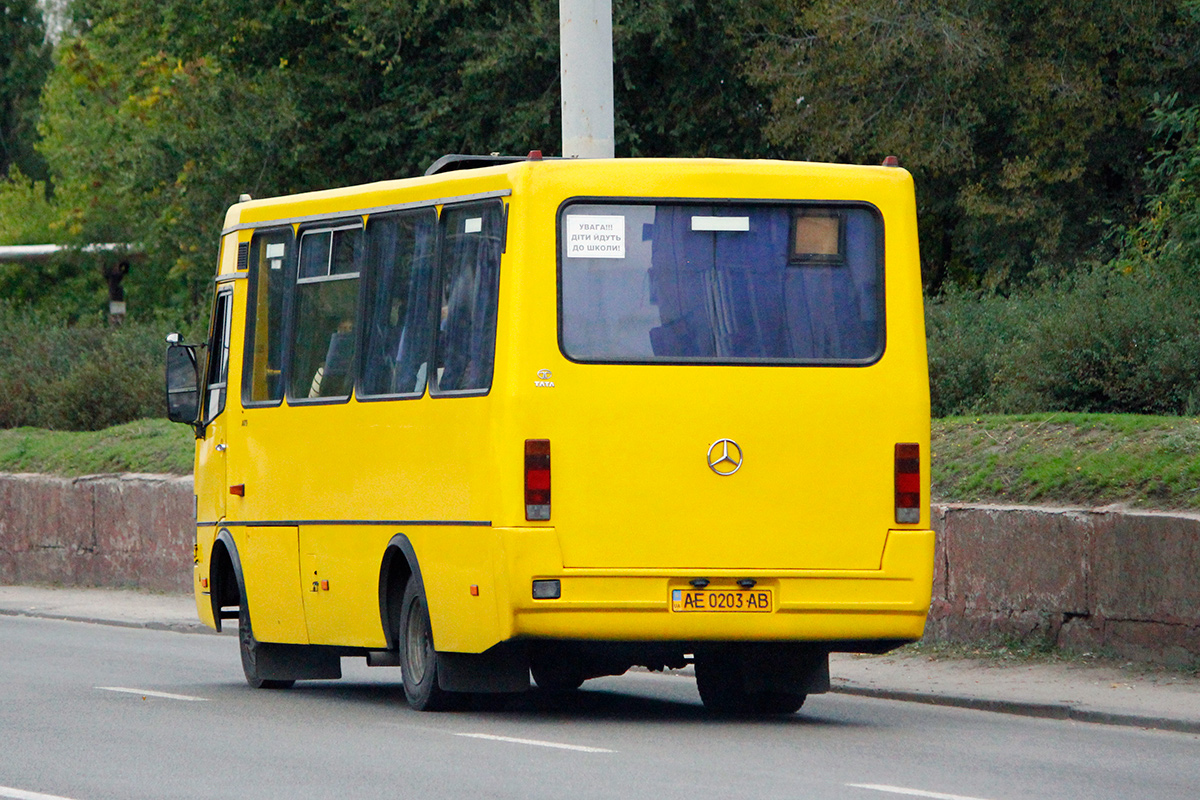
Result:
[148,693]
[911,792]
[17,794]
[536,743]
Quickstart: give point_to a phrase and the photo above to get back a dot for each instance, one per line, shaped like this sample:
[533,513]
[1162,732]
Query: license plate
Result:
[745,601]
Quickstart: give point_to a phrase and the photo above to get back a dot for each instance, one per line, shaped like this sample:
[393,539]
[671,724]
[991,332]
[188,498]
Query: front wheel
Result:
[418,658]
[250,648]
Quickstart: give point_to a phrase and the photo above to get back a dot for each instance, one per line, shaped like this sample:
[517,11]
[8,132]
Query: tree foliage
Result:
[161,112]
[1023,121]
[1052,140]
[1122,336]
[1167,240]
[24,62]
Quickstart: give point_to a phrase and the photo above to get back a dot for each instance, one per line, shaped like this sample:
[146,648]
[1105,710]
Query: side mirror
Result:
[183,383]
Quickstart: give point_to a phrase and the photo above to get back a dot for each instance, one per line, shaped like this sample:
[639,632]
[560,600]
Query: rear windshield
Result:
[755,283]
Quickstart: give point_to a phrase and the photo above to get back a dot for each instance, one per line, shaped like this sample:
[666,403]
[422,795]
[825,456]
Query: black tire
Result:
[250,648]
[558,676]
[721,680]
[781,703]
[418,657]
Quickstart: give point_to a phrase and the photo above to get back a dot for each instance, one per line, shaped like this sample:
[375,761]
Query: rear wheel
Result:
[721,680]
[418,658]
[250,648]
[556,672]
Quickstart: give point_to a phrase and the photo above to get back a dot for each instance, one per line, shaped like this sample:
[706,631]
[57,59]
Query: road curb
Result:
[1061,711]
[176,627]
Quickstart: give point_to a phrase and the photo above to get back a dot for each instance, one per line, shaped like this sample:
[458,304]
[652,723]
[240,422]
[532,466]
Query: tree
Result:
[150,138]
[1022,121]
[478,76]
[162,111]
[24,63]
[1166,241]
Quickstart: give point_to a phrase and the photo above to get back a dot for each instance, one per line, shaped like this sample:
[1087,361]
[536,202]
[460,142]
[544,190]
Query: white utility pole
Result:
[586,70]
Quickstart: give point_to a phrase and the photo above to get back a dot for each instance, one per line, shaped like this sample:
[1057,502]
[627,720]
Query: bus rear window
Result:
[754,283]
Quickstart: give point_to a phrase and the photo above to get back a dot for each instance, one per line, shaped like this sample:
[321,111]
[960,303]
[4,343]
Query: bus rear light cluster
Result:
[908,483]
[537,479]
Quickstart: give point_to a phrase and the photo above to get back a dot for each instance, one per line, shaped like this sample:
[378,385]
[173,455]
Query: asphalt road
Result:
[90,712]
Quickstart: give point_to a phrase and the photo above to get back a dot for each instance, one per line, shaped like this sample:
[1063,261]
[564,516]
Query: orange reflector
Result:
[239,490]
[204,583]
[908,483]
[474,590]
[324,586]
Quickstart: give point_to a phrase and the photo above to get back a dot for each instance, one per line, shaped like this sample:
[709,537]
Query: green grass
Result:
[149,445]
[1068,459]
[1052,459]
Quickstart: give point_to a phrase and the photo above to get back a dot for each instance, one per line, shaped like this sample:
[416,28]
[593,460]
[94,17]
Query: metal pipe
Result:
[35,253]
[586,71]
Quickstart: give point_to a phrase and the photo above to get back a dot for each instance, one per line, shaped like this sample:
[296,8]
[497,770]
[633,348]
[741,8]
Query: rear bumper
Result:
[890,603]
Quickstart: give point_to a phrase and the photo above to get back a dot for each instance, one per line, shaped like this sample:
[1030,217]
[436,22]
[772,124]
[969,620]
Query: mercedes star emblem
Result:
[724,457]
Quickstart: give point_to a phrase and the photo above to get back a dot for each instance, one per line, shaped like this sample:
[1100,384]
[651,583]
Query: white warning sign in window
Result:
[594,236]
[275,253]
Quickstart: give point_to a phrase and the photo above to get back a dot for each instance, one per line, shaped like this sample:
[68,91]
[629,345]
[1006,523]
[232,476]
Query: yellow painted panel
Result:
[888,603]
[339,582]
[453,559]
[645,626]
[200,569]
[271,570]
[631,488]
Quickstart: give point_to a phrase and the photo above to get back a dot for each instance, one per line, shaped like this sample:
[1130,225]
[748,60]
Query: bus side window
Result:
[469,270]
[322,355]
[270,253]
[216,381]
[399,273]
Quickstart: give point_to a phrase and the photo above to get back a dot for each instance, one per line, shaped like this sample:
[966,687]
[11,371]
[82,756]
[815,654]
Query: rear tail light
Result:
[537,479]
[908,483]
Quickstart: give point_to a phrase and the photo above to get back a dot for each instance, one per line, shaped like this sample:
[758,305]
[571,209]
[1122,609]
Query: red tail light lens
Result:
[908,483]
[537,479]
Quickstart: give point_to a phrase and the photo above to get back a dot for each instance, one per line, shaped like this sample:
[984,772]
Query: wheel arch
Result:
[399,565]
[225,576]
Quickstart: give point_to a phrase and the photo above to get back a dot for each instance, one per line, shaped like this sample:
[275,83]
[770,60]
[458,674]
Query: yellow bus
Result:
[566,417]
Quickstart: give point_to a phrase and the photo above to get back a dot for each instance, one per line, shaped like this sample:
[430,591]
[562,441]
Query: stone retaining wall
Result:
[101,530]
[1123,581]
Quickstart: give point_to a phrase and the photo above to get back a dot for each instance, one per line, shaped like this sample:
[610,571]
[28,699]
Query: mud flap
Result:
[501,668]
[785,667]
[297,662]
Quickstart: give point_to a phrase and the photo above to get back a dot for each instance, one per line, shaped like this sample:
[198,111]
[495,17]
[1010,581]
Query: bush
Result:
[971,336]
[1112,342]
[80,376]
[1106,340]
